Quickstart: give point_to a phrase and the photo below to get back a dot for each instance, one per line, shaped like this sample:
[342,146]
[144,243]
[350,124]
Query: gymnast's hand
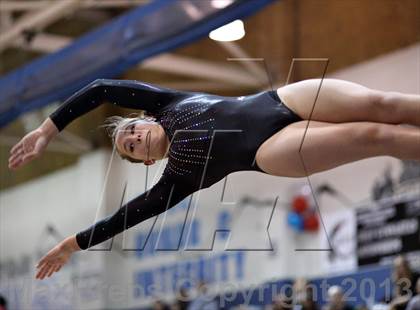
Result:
[56,258]
[32,145]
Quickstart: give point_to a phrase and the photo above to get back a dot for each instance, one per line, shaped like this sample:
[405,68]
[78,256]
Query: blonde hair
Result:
[114,124]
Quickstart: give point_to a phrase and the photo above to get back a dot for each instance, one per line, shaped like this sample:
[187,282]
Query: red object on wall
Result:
[300,204]
[311,223]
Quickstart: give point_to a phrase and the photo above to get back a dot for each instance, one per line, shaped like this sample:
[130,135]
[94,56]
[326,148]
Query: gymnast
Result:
[206,137]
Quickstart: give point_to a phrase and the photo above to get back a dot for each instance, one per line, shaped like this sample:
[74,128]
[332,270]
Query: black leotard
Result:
[211,136]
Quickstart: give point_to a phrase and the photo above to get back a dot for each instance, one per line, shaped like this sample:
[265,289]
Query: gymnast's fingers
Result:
[18,152]
[51,270]
[40,272]
[15,162]
[14,157]
[41,269]
[57,269]
[17,146]
[20,161]
[45,270]
[42,261]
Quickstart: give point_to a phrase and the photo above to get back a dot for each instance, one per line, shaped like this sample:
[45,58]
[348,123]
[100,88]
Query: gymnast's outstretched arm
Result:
[124,93]
[164,195]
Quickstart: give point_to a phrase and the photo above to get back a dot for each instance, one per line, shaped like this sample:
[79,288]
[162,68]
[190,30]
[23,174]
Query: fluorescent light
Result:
[220,4]
[229,32]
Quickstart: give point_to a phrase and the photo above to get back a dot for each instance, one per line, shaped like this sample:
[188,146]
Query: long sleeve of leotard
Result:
[164,195]
[124,93]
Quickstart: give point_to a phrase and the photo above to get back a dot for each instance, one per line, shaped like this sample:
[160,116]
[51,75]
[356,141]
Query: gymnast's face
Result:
[139,141]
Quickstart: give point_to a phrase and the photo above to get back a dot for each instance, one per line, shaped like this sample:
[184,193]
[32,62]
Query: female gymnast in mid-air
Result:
[293,131]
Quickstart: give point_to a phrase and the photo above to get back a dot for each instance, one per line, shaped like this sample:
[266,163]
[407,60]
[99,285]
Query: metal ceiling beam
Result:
[11,6]
[6,20]
[38,20]
[48,43]
[255,66]
[221,72]
[43,42]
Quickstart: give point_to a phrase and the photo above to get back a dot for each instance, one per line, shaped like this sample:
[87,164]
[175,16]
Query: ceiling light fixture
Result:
[229,32]
[220,4]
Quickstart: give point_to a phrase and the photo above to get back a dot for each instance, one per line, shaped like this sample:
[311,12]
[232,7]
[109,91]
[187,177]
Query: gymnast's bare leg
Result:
[348,122]
[341,101]
[329,145]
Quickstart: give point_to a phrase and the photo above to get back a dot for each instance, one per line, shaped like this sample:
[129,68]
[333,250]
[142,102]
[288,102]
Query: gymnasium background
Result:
[244,237]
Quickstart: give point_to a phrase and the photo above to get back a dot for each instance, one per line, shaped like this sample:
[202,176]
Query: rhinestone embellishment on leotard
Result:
[187,150]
